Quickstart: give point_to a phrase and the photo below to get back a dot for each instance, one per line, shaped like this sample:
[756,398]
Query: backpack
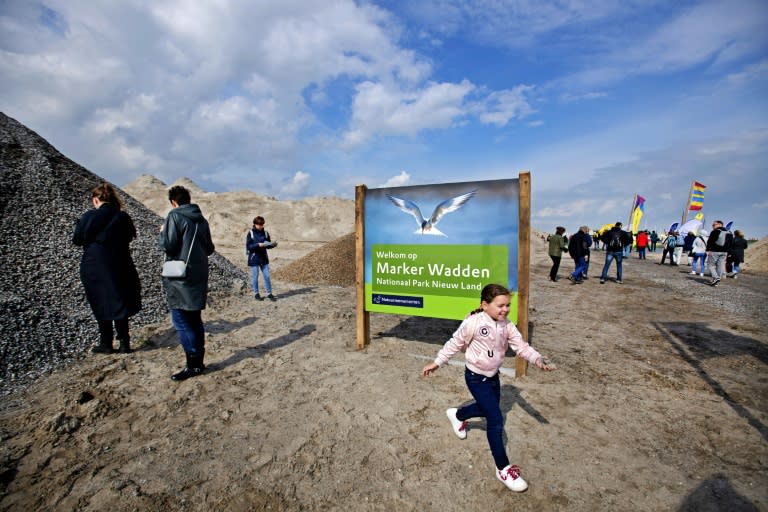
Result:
[614,244]
[721,238]
[671,241]
[250,235]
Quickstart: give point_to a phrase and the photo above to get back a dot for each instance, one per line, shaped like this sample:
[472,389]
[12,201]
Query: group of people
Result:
[615,243]
[721,251]
[111,281]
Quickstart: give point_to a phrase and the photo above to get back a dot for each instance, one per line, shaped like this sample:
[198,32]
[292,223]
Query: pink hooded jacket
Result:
[484,341]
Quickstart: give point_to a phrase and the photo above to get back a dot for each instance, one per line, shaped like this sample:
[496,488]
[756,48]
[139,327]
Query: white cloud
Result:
[502,106]
[133,115]
[297,185]
[380,109]
[400,180]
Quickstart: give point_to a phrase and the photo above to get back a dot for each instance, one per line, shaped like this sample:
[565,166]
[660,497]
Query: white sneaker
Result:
[510,476]
[693,271]
[459,427]
[702,274]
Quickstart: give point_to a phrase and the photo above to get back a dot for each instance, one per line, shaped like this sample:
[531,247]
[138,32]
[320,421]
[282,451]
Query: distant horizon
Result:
[186,178]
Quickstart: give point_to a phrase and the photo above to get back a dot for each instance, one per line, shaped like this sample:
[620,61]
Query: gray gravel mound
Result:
[46,320]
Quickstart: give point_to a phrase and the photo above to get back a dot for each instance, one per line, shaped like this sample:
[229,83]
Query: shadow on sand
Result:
[696,342]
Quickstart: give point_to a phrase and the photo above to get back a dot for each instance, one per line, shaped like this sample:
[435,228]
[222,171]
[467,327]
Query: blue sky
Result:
[599,100]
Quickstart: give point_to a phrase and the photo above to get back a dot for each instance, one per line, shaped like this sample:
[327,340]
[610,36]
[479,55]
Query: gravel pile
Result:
[332,264]
[46,320]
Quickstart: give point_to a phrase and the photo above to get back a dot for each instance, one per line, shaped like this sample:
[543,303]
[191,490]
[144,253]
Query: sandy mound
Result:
[756,257]
[331,264]
[298,226]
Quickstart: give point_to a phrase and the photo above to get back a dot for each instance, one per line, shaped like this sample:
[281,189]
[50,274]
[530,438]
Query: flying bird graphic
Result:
[429,226]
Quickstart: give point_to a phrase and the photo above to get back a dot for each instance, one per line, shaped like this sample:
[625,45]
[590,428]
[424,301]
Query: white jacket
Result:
[699,245]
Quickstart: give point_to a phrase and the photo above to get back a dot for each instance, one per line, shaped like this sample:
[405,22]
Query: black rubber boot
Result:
[194,368]
[105,338]
[102,349]
[125,346]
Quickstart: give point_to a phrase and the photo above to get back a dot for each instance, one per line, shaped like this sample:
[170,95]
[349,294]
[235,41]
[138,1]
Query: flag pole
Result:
[688,204]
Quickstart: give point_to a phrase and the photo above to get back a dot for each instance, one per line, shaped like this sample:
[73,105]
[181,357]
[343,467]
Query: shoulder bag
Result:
[177,269]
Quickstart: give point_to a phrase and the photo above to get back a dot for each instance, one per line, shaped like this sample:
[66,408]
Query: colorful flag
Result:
[637,213]
[697,196]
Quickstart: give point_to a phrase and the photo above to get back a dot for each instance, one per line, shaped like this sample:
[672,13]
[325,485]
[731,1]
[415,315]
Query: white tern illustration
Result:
[429,226]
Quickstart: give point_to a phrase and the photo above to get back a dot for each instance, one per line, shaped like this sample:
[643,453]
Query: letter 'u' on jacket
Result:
[189,293]
[485,341]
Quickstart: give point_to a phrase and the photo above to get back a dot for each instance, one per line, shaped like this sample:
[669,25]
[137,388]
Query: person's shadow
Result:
[435,331]
[169,338]
[259,351]
[510,396]
[714,494]
[292,293]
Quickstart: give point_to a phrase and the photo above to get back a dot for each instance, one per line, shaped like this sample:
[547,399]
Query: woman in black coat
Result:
[109,276]
[736,252]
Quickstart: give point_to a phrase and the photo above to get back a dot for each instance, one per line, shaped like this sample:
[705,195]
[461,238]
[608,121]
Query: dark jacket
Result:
[109,276]
[714,236]
[688,241]
[737,249]
[191,292]
[579,244]
[623,237]
[257,255]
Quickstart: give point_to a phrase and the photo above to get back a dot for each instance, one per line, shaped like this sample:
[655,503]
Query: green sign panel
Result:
[441,281]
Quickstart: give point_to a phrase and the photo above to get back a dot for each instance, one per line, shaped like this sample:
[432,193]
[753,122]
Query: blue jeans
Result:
[487,393]
[641,253]
[609,257]
[189,325]
[698,256]
[255,278]
[581,268]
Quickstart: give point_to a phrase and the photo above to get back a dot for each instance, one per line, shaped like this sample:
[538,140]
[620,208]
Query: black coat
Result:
[109,276]
[737,249]
[579,244]
[189,293]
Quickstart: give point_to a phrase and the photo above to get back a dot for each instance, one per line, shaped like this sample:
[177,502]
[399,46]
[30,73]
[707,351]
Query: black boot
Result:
[125,346]
[194,368]
[105,338]
[102,349]
[123,336]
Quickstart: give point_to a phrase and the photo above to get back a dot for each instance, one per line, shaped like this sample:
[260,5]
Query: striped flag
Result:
[637,213]
[697,196]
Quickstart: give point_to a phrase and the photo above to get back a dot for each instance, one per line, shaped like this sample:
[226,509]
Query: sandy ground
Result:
[659,403]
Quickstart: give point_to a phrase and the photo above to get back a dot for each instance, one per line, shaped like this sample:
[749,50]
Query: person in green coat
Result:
[557,245]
